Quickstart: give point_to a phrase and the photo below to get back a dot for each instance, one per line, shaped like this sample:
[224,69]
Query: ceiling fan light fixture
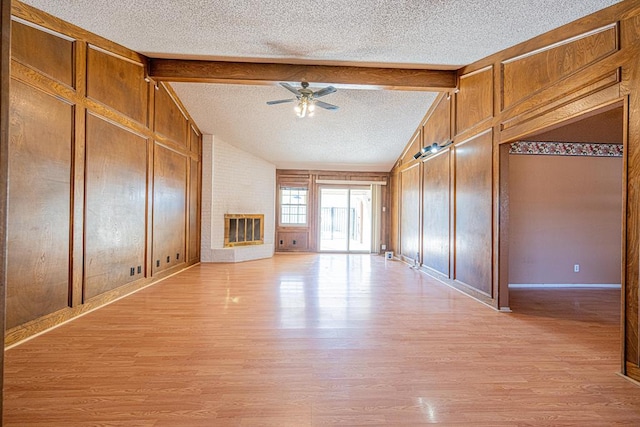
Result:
[303,107]
[305,100]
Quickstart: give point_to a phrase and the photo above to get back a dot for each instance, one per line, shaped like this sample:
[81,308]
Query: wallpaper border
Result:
[566,149]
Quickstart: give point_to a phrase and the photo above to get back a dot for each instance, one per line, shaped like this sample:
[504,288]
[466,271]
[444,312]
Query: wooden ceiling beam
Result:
[180,70]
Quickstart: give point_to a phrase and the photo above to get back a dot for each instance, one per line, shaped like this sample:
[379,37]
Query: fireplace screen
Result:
[243,229]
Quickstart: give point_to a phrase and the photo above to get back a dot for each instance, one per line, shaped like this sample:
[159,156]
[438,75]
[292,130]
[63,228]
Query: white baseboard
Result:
[565,285]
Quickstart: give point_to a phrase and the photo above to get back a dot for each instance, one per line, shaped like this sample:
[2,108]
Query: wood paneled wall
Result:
[463,192]
[436,233]
[305,238]
[104,175]
[5,61]
[410,221]
[472,201]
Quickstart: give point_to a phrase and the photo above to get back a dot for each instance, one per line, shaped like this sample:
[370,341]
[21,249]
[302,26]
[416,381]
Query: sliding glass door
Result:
[345,219]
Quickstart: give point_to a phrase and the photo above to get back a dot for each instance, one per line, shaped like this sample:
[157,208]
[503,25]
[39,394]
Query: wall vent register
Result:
[243,230]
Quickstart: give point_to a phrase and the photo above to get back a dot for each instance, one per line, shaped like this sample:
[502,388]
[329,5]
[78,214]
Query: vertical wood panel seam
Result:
[78,208]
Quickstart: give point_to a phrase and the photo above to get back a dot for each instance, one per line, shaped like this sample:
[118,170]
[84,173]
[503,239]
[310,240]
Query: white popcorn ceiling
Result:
[372,127]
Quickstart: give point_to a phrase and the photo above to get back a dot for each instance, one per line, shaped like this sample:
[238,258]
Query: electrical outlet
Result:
[576,268]
[384,247]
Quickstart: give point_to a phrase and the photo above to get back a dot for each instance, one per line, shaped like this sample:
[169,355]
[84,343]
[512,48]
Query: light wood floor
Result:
[302,340]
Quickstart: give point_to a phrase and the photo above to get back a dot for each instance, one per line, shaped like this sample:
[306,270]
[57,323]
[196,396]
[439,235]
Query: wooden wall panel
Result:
[394,215]
[194,211]
[170,121]
[53,56]
[115,216]
[551,64]
[412,148]
[473,212]
[437,128]
[410,212]
[293,240]
[40,150]
[127,93]
[536,114]
[195,140]
[169,213]
[631,225]
[474,101]
[436,212]
[5,83]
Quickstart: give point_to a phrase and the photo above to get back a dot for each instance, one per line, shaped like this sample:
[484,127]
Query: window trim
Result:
[281,205]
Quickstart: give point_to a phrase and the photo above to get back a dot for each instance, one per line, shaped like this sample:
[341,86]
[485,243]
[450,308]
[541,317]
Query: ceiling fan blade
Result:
[326,91]
[280,101]
[290,88]
[326,106]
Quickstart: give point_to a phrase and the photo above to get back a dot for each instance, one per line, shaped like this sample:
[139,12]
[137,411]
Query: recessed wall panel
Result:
[169,118]
[473,212]
[194,211]
[410,212]
[169,208]
[436,211]
[38,232]
[475,99]
[293,241]
[549,65]
[437,128]
[195,140]
[117,82]
[116,194]
[53,55]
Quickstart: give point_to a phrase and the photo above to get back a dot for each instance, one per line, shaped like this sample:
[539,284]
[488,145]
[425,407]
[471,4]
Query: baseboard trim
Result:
[565,285]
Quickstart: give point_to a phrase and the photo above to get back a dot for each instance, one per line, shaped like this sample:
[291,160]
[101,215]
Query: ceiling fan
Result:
[307,99]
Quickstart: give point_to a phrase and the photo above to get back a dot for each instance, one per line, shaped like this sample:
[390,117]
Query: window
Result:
[293,205]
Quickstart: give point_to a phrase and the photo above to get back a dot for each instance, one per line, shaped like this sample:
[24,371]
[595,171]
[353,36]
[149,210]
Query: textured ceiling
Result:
[371,127]
[362,135]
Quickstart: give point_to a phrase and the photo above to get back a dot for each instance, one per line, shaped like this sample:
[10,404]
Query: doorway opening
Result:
[565,208]
[345,219]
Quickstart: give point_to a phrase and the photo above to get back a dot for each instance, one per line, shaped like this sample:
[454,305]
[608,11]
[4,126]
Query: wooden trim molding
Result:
[349,182]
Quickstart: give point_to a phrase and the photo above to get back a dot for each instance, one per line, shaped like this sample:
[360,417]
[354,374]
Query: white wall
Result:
[235,182]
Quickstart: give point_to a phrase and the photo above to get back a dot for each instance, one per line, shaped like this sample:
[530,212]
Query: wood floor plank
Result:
[325,339]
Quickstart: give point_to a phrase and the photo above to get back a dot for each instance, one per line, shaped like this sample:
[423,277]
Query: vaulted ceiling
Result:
[372,126]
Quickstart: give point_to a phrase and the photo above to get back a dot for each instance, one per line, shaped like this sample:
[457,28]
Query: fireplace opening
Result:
[243,229]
